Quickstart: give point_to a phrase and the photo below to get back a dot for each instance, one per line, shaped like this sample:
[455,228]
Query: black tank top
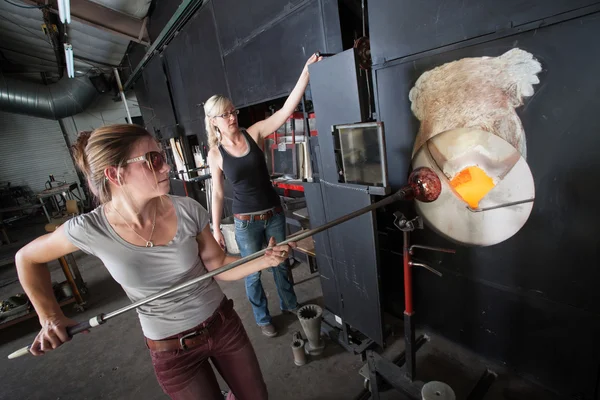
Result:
[252,188]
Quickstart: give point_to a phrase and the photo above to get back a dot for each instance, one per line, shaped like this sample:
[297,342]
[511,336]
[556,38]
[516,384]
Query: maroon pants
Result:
[187,374]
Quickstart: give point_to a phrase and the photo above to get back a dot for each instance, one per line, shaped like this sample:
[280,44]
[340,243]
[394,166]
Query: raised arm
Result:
[35,278]
[264,128]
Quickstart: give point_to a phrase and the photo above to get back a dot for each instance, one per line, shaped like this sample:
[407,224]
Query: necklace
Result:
[149,242]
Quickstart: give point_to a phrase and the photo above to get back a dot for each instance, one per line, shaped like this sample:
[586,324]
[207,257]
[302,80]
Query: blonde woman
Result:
[149,241]
[236,154]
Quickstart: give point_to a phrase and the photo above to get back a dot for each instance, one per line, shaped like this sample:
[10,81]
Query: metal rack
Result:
[401,373]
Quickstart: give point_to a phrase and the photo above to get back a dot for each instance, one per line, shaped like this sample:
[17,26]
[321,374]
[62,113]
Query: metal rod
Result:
[409,329]
[427,267]
[401,194]
[420,246]
[514,203]
[410,347]
[408,304]
[364,22]
[100,319]
[118,78]
[423,185]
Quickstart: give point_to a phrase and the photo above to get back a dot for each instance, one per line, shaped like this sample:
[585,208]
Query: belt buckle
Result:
[263,217]
[182,344]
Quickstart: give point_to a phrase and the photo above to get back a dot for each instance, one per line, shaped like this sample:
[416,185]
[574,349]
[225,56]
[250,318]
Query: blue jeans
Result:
[253,236]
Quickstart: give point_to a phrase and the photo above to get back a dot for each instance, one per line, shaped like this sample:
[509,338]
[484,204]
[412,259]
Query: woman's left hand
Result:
[275,254]
[313,59]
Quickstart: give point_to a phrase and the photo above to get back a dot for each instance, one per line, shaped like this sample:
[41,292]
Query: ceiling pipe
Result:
[62,99]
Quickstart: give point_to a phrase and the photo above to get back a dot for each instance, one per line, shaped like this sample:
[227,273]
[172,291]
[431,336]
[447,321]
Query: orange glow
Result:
[472,184]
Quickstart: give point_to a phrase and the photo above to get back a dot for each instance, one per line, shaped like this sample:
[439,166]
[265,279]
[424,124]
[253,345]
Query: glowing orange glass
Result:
[472,184]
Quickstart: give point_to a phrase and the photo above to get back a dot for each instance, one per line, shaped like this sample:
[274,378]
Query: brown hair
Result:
[214,106]
[102,148]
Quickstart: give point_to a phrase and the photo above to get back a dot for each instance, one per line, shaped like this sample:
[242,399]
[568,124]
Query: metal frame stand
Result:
[383,371]
[394,373]
[402,373]
[343,336]
[407,226]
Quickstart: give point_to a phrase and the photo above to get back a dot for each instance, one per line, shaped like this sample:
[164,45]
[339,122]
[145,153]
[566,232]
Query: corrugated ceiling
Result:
[24,48]
[22,41]
[137,8]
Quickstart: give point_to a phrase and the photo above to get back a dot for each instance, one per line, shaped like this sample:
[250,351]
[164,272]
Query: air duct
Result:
[59,100]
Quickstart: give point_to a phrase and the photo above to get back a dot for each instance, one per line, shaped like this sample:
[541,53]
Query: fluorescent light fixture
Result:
[72,66]
[67,4]
[64,11]
[69,60]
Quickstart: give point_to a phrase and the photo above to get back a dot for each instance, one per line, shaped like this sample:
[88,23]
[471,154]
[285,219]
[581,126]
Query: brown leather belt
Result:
[196,336]
[259,217]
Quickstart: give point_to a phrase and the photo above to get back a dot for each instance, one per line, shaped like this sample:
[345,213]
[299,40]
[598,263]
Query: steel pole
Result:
[102,318]
[423,185]
[118,78]
[302,235]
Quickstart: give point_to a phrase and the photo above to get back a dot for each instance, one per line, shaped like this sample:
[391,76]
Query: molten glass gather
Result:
[472,184]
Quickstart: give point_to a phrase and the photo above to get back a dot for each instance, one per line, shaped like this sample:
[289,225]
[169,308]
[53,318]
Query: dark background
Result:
[530,302]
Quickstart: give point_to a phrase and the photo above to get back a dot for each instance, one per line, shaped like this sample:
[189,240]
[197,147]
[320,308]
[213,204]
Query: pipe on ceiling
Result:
[62,99]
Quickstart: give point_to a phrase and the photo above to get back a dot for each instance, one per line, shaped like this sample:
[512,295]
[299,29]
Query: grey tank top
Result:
[143,271]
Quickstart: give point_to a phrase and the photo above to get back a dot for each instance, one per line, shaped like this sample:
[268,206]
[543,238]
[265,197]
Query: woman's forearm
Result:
[243,270]
[217,209]
[264,128]
[296,95]
[36,281]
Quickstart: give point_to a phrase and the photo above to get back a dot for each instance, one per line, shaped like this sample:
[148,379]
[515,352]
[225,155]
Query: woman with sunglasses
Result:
[236,154]
[149,241]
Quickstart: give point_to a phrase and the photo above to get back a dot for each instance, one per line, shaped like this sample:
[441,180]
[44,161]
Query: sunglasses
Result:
[154,160]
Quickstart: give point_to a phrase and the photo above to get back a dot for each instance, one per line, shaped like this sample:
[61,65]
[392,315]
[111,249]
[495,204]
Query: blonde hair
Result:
[102,148]
[214,106]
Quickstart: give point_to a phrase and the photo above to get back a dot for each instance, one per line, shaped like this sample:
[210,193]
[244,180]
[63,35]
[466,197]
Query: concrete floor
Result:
[112,361]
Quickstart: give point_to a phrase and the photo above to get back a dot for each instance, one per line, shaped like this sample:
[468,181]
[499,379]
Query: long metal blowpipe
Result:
[423,185]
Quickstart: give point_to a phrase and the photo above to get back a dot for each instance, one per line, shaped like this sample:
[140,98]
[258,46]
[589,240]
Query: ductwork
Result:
[62,99]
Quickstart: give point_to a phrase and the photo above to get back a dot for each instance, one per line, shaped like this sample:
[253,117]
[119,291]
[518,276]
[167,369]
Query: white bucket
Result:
[228,230]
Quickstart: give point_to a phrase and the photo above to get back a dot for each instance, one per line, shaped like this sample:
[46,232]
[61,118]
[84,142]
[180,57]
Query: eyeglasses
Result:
[229,114]
[154,160]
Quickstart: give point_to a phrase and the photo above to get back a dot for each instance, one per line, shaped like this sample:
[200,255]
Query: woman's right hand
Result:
[313,59]
[276,254]
[219,238]
[52,335]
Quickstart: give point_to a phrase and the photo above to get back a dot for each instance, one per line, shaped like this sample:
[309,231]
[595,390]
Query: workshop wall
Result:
[154,93]
[530,302]
[103,111]
[265,47]
[33,148]
[251,52]
[160,13]
[195,70]
[222,50]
